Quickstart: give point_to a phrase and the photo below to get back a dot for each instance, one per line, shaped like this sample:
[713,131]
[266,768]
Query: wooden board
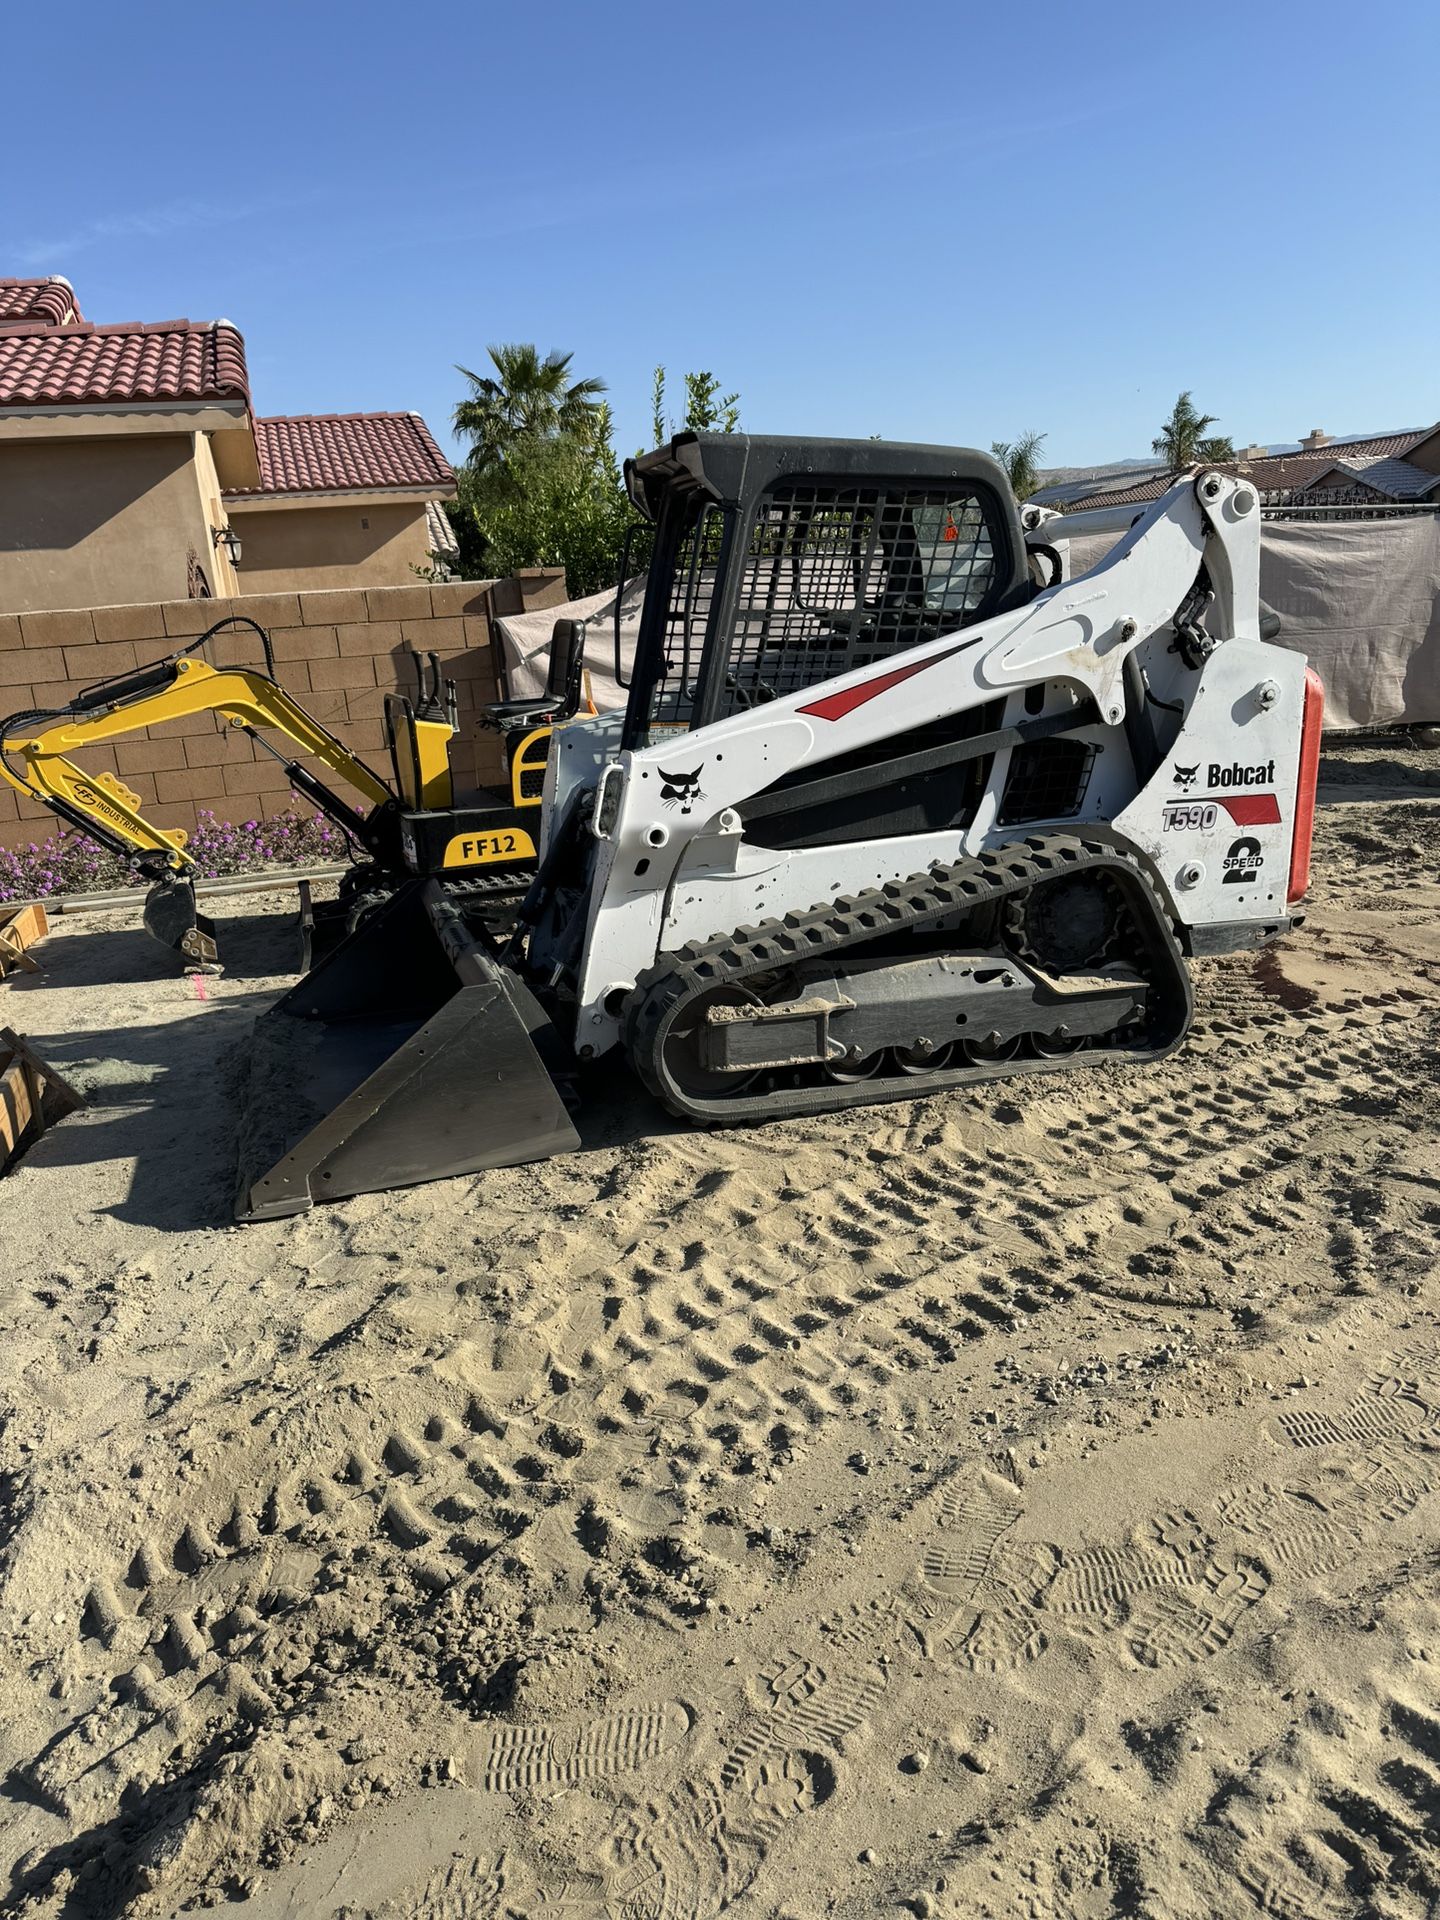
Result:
[21,927]
[17,1107]
[33,1095]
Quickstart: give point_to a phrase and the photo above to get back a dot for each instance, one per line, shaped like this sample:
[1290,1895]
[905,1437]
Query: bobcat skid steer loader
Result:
[894,807]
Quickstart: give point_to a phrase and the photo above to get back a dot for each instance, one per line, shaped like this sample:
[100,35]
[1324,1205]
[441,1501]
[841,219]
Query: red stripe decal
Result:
[835,706]
[1253,810]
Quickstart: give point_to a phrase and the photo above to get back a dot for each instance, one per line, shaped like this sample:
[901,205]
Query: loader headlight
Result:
[607,802]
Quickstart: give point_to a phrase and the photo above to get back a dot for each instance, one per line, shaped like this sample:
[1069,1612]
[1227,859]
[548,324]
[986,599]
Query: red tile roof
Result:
[1139,495]
[1376,445]
[177,360]
[338,452]
[39,303]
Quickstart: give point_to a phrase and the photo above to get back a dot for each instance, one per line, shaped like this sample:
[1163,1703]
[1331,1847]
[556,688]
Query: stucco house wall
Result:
[323,546]
[126,448]
[107,520]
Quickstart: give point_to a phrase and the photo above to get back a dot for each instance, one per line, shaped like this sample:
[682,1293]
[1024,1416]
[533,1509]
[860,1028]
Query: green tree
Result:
[706,407]
[556,500]
[526,399]
[1184,441]
[1020,460]
[541,485]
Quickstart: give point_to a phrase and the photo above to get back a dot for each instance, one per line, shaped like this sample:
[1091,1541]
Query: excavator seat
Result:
[561,698]
[506,715]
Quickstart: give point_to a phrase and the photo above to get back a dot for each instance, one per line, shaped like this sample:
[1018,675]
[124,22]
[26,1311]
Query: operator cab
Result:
[779,564]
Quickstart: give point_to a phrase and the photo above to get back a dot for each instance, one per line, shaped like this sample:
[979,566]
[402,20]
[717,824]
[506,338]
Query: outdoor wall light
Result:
[228,538]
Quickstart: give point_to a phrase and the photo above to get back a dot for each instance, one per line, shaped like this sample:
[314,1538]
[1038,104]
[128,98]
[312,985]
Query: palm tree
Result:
[1019,457]
[1182,441]
[531,399]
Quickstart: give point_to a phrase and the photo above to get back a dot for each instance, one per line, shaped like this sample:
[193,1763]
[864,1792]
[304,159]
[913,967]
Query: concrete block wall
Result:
[338,652]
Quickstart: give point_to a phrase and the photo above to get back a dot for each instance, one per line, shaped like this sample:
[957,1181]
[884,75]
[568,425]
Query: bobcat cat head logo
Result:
[682,789]
[1185,777]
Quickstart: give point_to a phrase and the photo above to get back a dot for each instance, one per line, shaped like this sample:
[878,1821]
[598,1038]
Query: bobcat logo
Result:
[1185,777]
[682,789]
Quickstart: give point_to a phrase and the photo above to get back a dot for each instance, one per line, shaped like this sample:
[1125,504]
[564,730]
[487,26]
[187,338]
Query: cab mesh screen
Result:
[687,620]
[833,576]
[836,577]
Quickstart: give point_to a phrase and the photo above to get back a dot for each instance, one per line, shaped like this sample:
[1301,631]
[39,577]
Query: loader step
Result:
[493,894]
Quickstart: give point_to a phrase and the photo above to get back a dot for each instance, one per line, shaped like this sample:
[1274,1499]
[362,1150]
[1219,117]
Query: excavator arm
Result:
[38,749]
[43,746]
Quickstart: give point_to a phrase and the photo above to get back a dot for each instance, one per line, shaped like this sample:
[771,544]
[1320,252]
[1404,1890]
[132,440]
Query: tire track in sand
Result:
[768,1318]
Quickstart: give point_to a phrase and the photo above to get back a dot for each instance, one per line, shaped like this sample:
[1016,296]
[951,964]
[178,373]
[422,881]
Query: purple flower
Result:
[70,863]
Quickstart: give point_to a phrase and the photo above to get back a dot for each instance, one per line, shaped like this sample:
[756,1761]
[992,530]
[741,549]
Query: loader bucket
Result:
[172,917]
[409,1053]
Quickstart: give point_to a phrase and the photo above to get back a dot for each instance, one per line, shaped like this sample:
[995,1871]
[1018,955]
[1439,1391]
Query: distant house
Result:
[134,468]
[1063,486]
[344,500]
[1383,469]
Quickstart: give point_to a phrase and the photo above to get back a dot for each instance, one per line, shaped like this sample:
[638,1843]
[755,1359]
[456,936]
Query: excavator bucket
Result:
[408,1054]
[172,917]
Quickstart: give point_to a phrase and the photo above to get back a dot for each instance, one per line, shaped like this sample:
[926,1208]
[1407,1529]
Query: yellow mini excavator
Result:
[415,825]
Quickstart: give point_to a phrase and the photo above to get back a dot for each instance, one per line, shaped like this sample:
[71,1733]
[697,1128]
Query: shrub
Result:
[71,863]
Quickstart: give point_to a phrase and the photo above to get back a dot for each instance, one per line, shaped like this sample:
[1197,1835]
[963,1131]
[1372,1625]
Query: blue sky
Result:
[935,222]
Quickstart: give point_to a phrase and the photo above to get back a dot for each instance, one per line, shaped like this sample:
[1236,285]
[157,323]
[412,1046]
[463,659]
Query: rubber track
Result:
[825,932]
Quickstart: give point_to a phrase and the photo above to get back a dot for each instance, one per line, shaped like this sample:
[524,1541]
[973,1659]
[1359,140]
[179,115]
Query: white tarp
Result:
[1360,598]
[525,644]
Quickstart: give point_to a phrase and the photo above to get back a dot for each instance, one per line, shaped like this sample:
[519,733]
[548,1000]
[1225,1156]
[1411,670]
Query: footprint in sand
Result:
[546,1759]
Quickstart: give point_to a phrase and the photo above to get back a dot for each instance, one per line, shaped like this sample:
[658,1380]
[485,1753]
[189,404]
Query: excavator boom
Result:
[413,827]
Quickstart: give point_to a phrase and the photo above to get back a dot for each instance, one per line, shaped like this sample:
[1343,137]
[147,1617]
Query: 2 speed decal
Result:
[1243,862]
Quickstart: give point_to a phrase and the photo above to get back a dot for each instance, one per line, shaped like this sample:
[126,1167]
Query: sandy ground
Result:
[1019,1504]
